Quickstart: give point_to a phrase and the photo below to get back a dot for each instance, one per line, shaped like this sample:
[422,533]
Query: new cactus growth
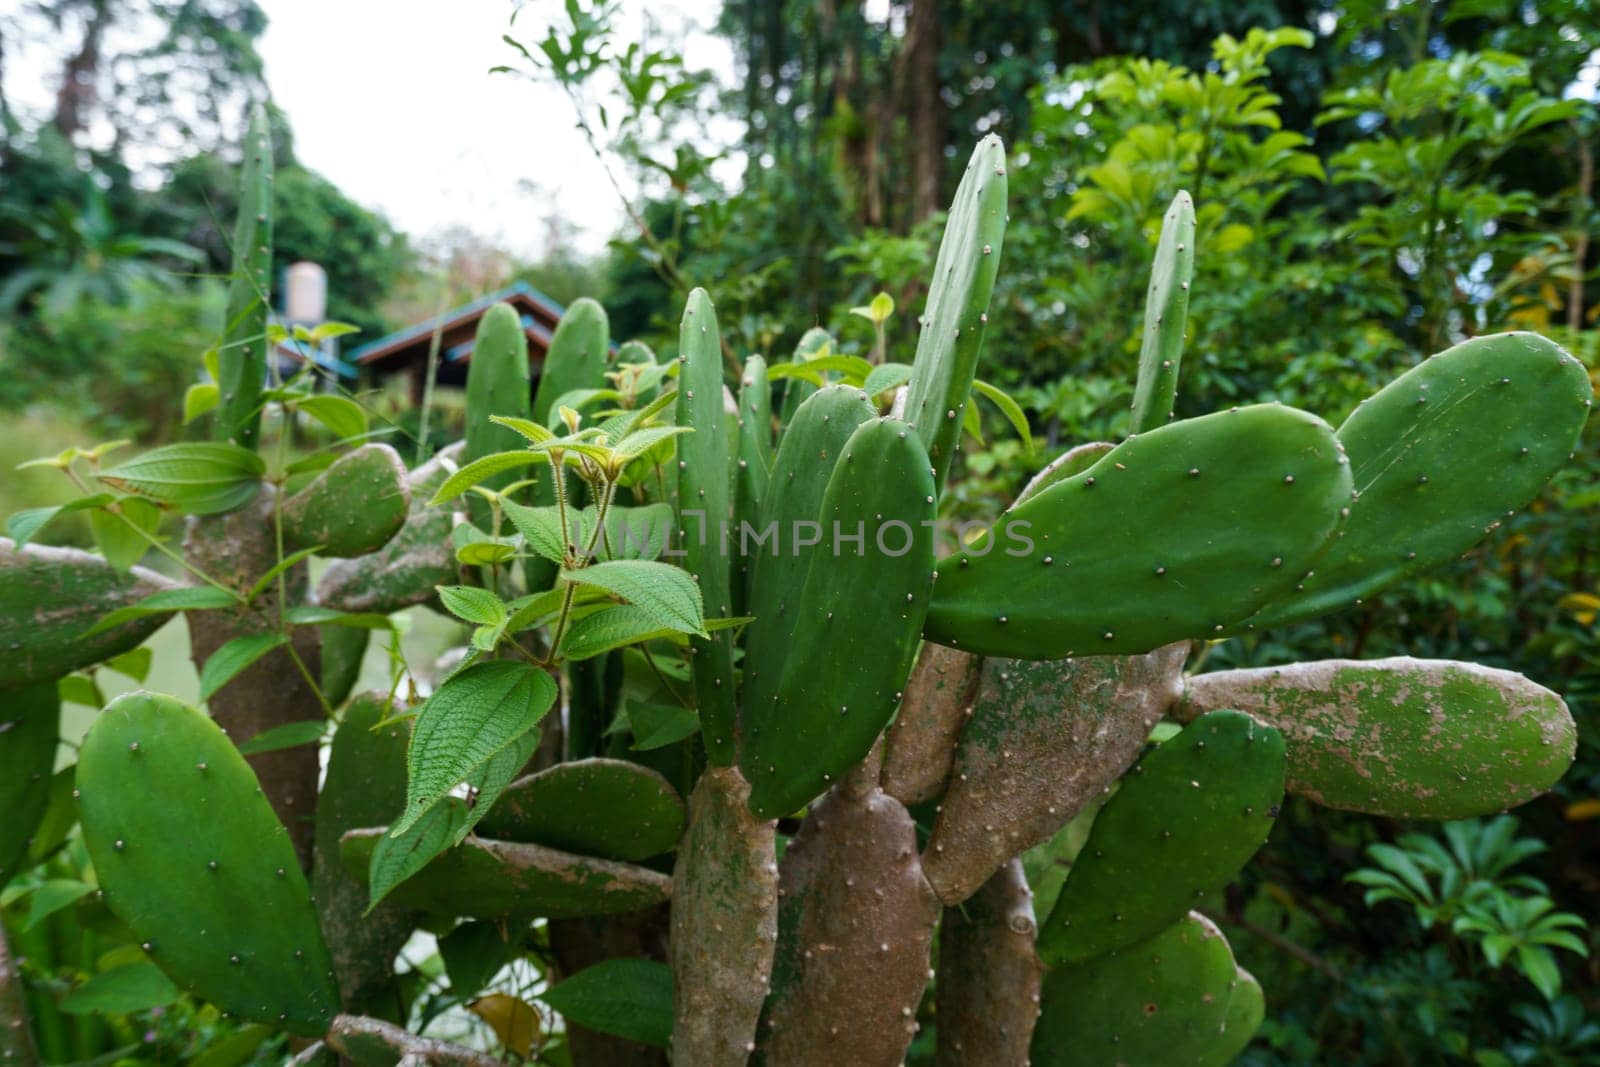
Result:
[671,595]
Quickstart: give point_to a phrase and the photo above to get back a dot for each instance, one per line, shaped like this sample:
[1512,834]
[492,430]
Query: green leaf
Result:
[289,735]
[198,399]
[473,953]
[133,987]
[472,604]
[80,689]
[189,598]
[226,662]
[399,856]
[340,414]
[526,427]
[886,376]
[134,663]
[540,529]
[639,442]
[278,568]
[667,593]
[479,469]
[119,542]
[331,329]
[24,525]
[485,553]
[1008,407]
[658,725]
[201,477]
[629,998]
[51,897]
[609,628]
[313,615]
[469,719]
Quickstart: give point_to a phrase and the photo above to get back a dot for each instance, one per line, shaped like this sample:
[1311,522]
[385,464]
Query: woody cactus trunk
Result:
[733,753]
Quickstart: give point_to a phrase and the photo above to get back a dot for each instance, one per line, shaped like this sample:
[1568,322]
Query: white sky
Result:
[416,127]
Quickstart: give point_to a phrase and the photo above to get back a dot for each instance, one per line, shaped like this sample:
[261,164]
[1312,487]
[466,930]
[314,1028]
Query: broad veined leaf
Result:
[470,718]
[131,987]
[124,537]
[639,442]
[540,528]
[198,399]
[479,469]
[135,663]
[609,628]
[52,896]
[226,662]
[200,477]
[340,414]
[24,525]
[313,615]
[658,725]
[526,427]
[189,598]
[472,604]
[667,593]
[513,1020]
[289,735]
[629,998]
[886,376]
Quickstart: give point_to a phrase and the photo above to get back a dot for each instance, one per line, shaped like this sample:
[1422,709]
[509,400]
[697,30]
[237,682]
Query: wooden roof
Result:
[458,327]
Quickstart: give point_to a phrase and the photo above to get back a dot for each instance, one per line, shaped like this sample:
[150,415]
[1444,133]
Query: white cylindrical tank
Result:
[305,293]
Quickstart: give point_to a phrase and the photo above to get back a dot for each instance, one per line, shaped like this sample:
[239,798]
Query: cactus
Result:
[776,681]
[30,721]
[346,523]
[242,356]
[1406,738]
[1183,823]
[192,858]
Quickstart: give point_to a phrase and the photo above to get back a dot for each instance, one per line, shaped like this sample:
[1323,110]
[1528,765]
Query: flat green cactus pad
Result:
[1440,456]
[724,923]
[497,384]
[365,786]
[1176,533]
[704,505]
[797,390]
[352,508]
[957,311]
[1166,310]
[593,807]
[30,721]
[577,356]
[848,655]
[1247,1007]
[191,857]
[50,596]
[412,564]
[1184,821]
[1162,1000]
[1045,739]
[486,879]
[1406,738]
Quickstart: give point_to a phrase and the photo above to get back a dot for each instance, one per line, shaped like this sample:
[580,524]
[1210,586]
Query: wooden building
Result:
[406,351]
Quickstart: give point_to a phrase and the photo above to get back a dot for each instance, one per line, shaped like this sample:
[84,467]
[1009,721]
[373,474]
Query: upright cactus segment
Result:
[1162,1000]
[921,743]
[1440,456]
[797,391]
[958,306]
[487,879]
[1182,824]
[365,786]
[1406,738]
[724,923]
[704,507]
[412,564]
[576,360]
[50,597]
[752,465]
[988,990]
[30,724]
[1044,740]
[1105,567]
[497,384]
[594,807]
[1166,311]
[191,857]
[242,357]
[352,508]
[1247,1007]
[856,922]
[805,459]
[848,659]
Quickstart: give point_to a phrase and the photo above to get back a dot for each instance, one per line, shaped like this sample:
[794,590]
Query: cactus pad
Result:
[1073,461]
[593,807]
[848,656]
[704,489]
[752,464]
[352,508]
[50,596]
[30,722]
[487,879]
[191,857]
[497,384]
[1440,456]
[1184,821]
[1166,311]
[242,356]
[957,311]
[724,923]
[1406,738]
[1045,738]
[1162,1000]
[1260,490]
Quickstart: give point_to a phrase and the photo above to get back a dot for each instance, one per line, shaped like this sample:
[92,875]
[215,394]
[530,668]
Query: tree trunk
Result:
[918,79]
